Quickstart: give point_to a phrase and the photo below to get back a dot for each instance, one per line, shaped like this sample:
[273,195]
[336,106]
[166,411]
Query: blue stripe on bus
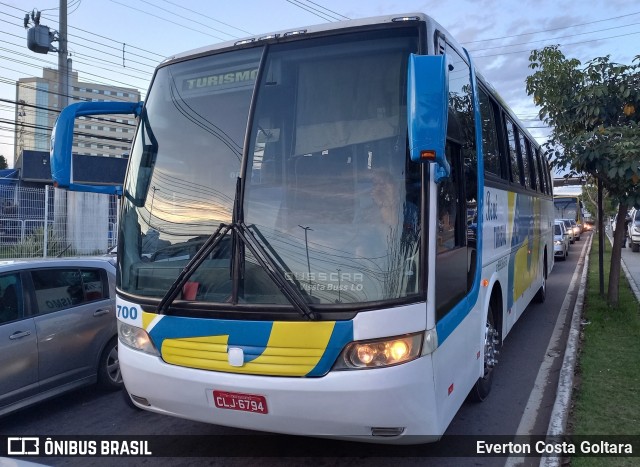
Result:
[341,335]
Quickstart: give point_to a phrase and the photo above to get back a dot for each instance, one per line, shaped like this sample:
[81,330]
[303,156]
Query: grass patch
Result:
[607,401]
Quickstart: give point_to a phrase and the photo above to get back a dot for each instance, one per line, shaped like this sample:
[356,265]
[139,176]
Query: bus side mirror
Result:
[427,111]
[62,142]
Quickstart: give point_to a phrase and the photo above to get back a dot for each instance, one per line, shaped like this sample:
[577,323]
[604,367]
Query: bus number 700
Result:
[126,312]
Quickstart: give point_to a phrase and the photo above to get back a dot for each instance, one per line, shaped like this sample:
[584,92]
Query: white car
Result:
[560,240]
[633,230]
[568,229]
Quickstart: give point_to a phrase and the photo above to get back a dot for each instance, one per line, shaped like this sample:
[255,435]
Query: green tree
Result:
[3,163]
[594,113]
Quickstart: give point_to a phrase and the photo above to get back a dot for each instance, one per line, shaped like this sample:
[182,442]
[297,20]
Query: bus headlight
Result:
[379,353]
[136,338]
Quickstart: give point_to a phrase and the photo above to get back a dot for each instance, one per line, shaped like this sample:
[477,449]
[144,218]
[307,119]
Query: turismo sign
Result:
[213,83]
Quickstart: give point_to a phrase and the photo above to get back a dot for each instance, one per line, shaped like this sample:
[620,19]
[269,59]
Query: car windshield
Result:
[557,230]
[328,193]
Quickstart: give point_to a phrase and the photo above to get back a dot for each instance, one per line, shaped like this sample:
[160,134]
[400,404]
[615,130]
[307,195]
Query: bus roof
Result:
[433,25]
[306,30]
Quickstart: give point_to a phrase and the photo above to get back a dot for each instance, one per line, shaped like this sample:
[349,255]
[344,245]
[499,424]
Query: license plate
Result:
[238,401]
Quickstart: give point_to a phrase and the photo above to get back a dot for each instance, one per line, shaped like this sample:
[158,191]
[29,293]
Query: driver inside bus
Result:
[387,213]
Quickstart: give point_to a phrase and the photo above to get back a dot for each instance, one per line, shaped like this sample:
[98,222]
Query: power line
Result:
[313,11]
[562,45]
[552,29]
[555,38]
[93,34]
[329,10]
[208,17]
[173,13]
[167,20]
[76,133]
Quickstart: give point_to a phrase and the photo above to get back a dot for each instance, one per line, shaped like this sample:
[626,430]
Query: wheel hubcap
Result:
[113,366]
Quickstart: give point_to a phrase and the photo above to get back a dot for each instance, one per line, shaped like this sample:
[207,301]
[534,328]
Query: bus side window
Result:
[528,154]
[489,136]
[525,163]
[454,196]
[538,164]
[547,173]
[451,259]
[513,153]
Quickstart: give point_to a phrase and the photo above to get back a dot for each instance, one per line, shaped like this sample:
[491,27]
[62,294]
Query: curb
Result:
[562,404]
[632,282]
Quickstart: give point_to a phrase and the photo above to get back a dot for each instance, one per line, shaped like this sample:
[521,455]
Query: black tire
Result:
[109,375]
[541,294]
[635,247]
[482,388]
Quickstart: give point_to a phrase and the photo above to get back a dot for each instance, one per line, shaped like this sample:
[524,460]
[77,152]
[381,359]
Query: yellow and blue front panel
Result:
[270,348]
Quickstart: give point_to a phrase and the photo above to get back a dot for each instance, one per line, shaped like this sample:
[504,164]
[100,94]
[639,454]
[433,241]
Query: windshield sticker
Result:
[222,81]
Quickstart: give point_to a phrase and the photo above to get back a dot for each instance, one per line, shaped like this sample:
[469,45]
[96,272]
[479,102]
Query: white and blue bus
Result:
[326,231]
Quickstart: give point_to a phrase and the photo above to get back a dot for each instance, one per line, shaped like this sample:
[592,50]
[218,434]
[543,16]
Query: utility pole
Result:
[63,68]
[40,40]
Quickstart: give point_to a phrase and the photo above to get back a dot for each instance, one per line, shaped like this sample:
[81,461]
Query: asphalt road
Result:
[91,411]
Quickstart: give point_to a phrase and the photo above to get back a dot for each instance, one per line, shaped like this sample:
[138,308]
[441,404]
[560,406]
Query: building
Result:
[38,105]
[84,223]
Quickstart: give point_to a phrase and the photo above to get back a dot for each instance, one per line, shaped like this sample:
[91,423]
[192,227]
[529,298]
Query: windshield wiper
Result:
[191,267]
[275,273]
[292,294]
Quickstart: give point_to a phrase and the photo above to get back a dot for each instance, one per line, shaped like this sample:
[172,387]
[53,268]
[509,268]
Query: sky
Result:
[120,42]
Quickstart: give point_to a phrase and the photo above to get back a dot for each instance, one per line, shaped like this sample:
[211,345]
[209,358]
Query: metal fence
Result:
[41,222]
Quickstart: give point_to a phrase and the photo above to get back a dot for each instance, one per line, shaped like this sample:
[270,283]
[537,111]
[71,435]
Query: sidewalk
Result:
[630,266]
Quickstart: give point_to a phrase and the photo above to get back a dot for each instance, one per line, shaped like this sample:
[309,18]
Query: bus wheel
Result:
[482,387]
[541,294]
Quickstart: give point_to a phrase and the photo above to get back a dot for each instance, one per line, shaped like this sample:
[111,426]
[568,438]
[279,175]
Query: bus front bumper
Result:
[358,405]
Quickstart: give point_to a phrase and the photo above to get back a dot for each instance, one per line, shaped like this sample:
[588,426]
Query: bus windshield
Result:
[566,208]
[303,144]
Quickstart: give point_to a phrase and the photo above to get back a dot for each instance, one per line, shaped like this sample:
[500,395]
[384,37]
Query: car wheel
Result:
[635,247]
[109,375]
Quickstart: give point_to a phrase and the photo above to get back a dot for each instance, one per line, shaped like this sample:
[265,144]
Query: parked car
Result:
[569,229]
[560,240]
[633,230]
[57,328]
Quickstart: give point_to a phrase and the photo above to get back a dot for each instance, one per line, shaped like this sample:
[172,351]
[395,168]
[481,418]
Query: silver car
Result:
[569,229]
[560,240]
[57,328]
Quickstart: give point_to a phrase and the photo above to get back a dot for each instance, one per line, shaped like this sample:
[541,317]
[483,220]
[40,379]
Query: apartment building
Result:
[39,105]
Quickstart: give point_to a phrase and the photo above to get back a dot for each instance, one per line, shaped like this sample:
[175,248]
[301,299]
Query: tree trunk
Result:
[616,256]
